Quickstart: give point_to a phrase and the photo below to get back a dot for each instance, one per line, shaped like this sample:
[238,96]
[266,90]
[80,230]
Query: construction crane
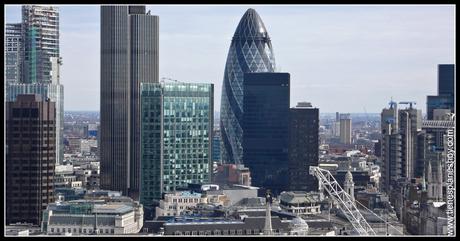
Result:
[346,204]
[367,117]
[164,79]
[410,103]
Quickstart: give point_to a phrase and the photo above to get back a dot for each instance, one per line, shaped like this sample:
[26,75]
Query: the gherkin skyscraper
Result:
[250,51]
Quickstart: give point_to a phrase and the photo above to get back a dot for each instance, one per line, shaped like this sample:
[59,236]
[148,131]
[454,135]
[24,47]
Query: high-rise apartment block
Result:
[176,135]
[303,146]
[345,128]
[30,158]
[265,129]
[129,57]
[40,26]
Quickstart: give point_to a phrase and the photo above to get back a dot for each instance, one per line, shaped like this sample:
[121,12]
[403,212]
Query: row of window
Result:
[185,200]
[80,230]
[222,232]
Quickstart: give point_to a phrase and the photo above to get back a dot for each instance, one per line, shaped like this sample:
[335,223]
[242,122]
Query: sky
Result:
[345,58]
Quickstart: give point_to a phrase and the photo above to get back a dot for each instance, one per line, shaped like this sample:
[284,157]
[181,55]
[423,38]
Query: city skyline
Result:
[400,47]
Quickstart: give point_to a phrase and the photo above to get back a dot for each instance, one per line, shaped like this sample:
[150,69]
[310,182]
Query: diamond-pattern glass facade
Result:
[250,51]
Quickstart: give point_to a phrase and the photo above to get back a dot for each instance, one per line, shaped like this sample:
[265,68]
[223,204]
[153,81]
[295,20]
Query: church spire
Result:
[349,185]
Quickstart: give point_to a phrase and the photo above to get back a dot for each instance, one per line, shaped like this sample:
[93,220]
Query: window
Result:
[58,230]
[84,230]
[52,230]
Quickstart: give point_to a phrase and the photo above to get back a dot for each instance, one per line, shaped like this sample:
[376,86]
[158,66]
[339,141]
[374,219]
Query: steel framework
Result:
[346,204]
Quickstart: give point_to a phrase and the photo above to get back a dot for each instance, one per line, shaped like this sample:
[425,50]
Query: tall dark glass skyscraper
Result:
[445,98]
[129,57]
[446,79]
[250,51]
[303,146]
[265,129]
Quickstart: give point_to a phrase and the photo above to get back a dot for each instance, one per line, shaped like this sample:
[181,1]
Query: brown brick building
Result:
[30,158]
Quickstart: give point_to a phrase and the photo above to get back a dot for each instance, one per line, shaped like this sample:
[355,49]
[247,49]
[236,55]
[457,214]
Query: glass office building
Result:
[265,129]
[303,147]
[250,51]
[216,146]
[129,57]
[176,134]
[446,96]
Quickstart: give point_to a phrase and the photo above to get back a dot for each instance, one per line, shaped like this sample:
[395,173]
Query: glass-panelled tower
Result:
[151,143]
[176,134]
[250,51]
